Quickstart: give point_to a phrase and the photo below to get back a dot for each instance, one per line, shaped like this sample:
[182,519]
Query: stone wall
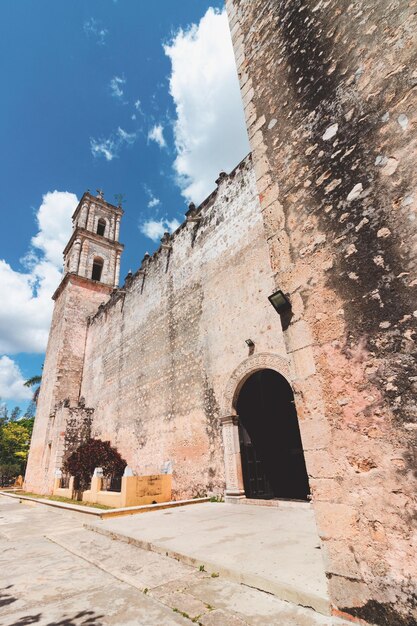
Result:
[75,300]
[160,353]
[329,90]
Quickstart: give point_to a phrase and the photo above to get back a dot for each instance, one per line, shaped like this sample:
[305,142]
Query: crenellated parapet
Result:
[199,220]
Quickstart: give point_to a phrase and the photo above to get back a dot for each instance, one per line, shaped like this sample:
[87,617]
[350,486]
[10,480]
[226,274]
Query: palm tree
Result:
[35,380]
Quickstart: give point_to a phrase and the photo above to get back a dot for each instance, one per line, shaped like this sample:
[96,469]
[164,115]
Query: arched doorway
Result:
[273,462]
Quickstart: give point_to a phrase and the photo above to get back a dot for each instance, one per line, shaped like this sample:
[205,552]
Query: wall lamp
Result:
[280,302]
[249,343]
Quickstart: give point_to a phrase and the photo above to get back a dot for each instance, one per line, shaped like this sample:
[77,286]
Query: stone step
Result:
[276,551]
[188,592]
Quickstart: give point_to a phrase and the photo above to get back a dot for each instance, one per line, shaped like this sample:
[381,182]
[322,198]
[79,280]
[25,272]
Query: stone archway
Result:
[229,419]
[272,453]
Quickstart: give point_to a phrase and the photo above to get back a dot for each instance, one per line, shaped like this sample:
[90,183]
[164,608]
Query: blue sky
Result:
[137,98]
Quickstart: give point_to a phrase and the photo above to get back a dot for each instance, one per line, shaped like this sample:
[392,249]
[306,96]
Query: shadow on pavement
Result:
[87,618]
[6,598]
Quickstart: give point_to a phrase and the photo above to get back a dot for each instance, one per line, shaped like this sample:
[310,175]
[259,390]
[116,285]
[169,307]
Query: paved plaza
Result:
[275,549]
[56,572]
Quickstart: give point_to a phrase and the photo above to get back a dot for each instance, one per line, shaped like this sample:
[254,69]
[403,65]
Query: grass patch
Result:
[61,499]
[183,613]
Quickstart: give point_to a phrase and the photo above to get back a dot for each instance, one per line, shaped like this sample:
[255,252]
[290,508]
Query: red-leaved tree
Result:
[93,453]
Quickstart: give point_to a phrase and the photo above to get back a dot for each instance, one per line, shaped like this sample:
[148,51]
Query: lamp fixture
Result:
[249,343]
[280,302]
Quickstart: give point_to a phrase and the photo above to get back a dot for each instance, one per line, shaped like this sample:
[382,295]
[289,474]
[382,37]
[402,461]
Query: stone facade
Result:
[159,354]
[149,365]
[329,91]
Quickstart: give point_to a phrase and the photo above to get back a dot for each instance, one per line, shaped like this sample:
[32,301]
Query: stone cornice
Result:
[87,234]
[99,202]
[88,283]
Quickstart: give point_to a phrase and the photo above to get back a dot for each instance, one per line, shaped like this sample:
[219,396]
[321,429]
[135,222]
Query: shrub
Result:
[94,453]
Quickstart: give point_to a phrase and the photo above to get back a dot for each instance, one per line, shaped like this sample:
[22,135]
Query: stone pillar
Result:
[117,270]
[116,235]
[75,258]
[232,461]
[91,215]
[83,216]
[82,267]
[112,227]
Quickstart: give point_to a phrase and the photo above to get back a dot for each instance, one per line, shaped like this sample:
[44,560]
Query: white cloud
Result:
[138,109]
[153,202]
[11,381]
[210,132]
[154,229]
[103,147]
[26,309]
[109,148]
[125,136]
[157,134]
[54,222]
[116,84]
[94,29]
[173,225]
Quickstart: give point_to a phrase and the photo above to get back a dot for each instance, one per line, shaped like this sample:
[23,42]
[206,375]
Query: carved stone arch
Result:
[101,219]
[96,259]
[254,363]
[229,419]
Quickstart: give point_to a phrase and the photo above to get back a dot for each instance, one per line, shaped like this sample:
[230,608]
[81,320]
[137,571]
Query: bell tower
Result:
[91,273]
[93,250]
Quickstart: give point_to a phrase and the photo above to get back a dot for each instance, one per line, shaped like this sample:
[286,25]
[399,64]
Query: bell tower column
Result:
[117,269]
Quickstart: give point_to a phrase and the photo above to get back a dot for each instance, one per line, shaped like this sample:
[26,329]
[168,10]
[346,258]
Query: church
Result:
[159,365]
[267,349]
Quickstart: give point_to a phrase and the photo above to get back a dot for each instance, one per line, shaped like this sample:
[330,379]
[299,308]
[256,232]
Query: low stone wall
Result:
[64,492]
[135,491]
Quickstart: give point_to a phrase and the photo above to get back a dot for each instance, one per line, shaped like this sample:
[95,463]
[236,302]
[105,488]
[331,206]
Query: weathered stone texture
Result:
[329,90]
[159,354]
[76,299]
[86,244]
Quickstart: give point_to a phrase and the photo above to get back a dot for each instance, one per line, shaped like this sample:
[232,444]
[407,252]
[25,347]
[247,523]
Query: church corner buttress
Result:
[91,272]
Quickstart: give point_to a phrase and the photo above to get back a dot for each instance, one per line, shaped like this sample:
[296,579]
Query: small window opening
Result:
[101,227]
[97,268]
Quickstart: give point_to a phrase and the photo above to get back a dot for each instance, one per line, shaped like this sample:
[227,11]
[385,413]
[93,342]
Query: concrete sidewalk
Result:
[55,572]
[275,549]
[45,585]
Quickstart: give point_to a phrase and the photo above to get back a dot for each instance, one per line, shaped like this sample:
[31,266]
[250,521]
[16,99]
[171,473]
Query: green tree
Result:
[35,380]
[15,434]
[15,442]
[8,471]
